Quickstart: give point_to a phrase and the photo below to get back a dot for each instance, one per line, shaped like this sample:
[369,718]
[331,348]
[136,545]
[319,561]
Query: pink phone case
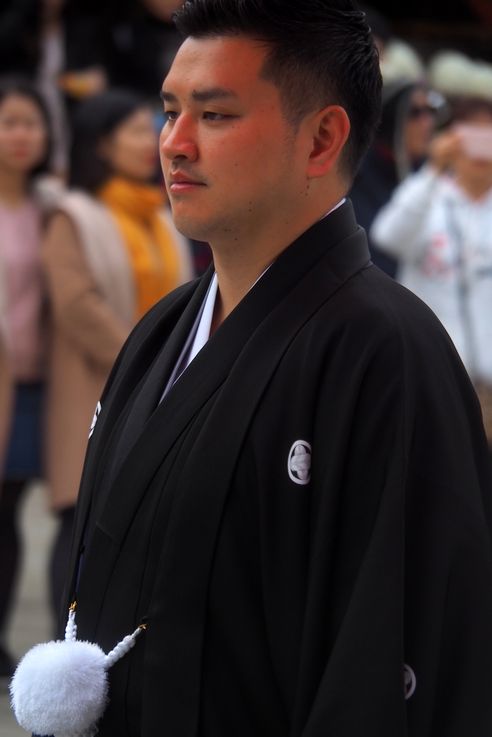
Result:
[476,140]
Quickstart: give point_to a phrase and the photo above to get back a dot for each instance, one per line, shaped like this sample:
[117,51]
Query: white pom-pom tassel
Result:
[123,647]
[61,688]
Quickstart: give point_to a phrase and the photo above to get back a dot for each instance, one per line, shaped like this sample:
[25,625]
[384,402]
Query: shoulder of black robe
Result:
[286,602]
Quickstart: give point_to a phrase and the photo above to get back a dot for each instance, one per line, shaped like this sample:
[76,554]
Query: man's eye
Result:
[216,116]
[170,115]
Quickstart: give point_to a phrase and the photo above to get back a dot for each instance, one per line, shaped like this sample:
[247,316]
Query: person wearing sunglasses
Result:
[408,120]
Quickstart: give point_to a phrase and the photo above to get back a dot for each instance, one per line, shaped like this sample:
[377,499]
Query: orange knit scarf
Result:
[151,250]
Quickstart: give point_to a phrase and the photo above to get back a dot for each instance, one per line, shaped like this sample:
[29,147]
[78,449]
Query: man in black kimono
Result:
[287,473]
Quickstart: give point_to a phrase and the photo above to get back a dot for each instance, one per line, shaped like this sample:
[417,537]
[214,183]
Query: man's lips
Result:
[178,181]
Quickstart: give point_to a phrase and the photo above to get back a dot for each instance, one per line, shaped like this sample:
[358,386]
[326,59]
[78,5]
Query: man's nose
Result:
[178,139]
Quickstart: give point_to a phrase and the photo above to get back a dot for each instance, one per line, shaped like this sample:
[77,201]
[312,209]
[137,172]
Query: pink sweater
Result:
[20,241]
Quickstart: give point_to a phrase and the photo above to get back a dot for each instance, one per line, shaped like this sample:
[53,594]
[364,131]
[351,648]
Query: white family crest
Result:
[299,462]
[409,681]
[94,419]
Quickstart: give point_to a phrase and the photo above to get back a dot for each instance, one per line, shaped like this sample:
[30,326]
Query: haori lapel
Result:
[124,382]
[168,330]
[149,391]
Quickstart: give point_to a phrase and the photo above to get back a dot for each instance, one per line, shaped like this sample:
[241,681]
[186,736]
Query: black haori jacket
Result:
[304,521]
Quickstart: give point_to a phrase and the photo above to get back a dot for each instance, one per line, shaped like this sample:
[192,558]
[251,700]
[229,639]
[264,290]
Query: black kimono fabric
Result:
[304,521]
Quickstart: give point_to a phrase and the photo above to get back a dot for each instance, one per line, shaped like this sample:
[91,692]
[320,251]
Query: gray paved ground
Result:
[30,621]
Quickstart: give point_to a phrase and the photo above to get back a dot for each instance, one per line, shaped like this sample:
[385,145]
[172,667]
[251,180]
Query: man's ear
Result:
[330,129]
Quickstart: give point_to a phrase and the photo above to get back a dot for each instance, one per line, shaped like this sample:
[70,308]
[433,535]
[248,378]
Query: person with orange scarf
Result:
[110,253]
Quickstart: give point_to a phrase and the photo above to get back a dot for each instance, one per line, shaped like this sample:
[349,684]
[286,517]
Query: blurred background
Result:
[87,244]
[464,25]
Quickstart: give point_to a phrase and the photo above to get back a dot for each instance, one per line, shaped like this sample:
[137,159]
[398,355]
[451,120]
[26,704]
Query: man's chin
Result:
[190,228]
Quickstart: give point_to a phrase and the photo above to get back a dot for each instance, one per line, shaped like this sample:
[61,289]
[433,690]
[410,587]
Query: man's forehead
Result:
[205,94]
[224,62]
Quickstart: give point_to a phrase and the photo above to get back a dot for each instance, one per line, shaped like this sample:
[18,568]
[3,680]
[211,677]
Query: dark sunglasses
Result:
[419,111]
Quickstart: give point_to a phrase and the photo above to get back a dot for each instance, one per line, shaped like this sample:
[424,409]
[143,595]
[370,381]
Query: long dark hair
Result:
[96,118]
[10,86]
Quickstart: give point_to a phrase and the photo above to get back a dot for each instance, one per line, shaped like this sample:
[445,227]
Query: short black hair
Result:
[23,87]
[95,118]
[321,52]
[380,26]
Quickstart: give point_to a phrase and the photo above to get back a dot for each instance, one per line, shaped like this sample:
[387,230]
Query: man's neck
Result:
[233,285]
[240,264]
[239,267]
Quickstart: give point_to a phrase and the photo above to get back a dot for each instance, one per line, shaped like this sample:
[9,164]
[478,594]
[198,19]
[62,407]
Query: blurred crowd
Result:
[424,192]
[87,245]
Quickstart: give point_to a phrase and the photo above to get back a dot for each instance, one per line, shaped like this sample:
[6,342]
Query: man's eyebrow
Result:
[213,93]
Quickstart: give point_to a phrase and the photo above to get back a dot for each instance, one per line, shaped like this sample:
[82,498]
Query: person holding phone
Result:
[439,225]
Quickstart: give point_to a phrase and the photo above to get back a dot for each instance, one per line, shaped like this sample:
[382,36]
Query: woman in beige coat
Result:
[110,252]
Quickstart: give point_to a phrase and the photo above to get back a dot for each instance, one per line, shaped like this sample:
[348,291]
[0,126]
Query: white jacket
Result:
[443,241]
